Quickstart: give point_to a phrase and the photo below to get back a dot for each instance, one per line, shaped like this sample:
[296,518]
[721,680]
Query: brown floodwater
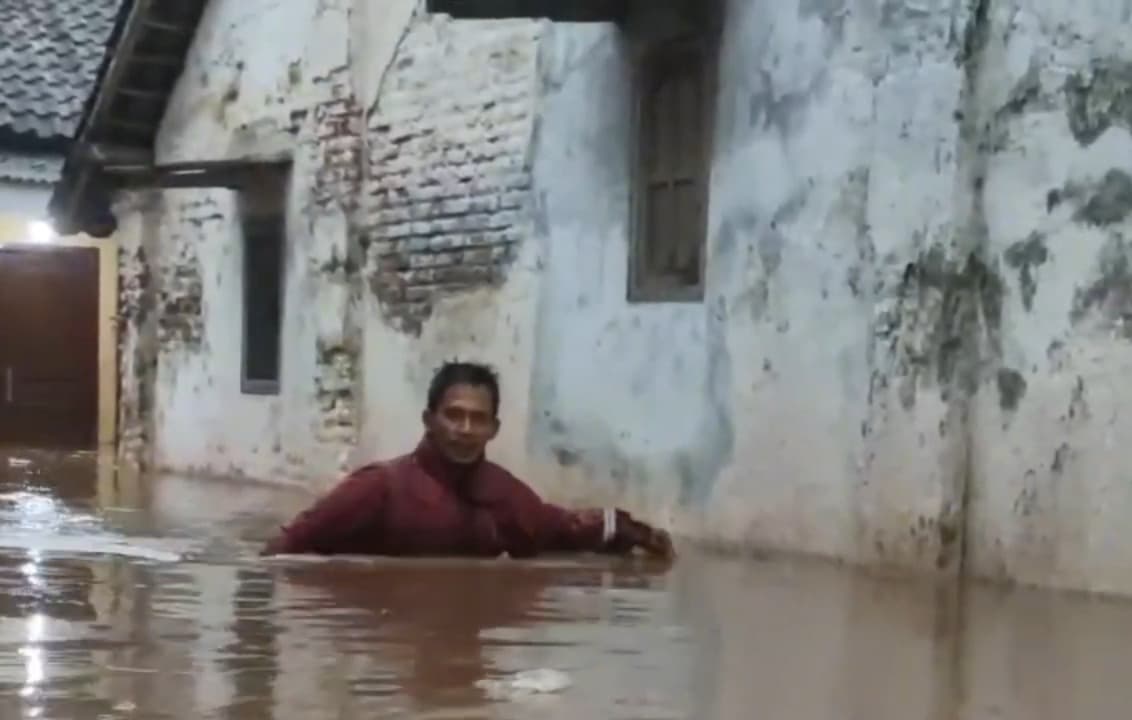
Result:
[144,598]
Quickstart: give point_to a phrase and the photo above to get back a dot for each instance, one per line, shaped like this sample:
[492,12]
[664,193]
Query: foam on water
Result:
[35,522]
[525,683]
[161,551]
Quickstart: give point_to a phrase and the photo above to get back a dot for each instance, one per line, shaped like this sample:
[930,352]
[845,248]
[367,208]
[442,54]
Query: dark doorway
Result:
[49,347]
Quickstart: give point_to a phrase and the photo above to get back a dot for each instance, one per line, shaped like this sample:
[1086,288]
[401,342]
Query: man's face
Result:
[463,423]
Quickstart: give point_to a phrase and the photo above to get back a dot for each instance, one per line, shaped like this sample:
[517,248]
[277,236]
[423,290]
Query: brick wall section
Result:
[338,136]
[180,320]
[136,364]
[137,325]
[449,180]
[337,129]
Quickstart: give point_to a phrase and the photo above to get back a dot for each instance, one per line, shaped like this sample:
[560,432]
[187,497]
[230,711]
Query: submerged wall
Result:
[913,334]
[1050,480]
[804,405]
[293,97]
[390,232]
[912,342]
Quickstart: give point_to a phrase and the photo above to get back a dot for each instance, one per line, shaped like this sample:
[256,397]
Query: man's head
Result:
[462,414]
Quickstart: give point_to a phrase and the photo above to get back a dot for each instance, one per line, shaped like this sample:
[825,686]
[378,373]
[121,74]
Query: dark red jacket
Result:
[422,504]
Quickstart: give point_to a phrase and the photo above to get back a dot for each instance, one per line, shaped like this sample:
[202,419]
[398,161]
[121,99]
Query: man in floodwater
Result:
[445,498]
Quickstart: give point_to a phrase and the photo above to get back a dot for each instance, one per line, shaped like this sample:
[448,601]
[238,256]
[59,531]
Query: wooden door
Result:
[49,347]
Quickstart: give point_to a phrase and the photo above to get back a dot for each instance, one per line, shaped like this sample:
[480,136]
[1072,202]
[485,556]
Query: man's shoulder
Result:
[374,480]
[384,469]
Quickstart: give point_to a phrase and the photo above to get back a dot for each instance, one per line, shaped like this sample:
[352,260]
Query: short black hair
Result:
[455,372]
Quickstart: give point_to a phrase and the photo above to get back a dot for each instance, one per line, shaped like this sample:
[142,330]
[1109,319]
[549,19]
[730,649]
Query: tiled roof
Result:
[50,55]
[117,128]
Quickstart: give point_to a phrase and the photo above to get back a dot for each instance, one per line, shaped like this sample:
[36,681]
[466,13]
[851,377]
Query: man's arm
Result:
[534,526]
[604,530]
[333,519]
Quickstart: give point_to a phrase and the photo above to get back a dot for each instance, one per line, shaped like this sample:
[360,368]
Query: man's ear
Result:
[494,428]
[425,418]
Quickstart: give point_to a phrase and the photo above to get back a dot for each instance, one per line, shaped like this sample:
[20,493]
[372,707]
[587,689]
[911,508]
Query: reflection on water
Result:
[122,598]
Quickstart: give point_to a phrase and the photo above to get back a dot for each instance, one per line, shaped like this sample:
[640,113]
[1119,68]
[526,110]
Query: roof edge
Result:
[71,212]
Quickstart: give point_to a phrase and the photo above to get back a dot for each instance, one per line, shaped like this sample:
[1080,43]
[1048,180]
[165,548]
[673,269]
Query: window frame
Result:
[262,203]
[643,285]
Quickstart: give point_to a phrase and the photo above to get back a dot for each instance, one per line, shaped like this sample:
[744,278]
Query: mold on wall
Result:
[181,296]
[814,401]
[1046,474]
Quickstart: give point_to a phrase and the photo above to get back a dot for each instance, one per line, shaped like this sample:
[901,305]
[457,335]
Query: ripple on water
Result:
[168,613]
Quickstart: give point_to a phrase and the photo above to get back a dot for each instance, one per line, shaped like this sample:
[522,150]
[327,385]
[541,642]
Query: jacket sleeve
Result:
[602,530]
[531,526]
[325,527]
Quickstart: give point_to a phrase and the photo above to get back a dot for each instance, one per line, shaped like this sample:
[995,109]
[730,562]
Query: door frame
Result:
[14,233]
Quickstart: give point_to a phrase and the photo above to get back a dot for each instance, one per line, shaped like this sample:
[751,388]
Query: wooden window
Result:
[262,205]
[674,124]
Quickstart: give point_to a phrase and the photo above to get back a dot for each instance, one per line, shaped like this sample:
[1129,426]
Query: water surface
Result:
[128,598]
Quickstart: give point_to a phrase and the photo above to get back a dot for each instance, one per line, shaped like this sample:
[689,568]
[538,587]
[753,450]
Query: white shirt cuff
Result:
[609,526]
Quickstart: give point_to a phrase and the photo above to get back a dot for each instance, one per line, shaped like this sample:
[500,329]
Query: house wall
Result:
[1050,480]
[24,199]
[240,96]
[783,411]
[25,182]
[912,341]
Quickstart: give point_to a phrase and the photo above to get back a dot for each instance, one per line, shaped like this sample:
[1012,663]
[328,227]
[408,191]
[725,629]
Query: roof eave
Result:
[557,10]
[109,134]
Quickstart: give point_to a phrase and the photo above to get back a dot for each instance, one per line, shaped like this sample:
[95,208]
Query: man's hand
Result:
[273,546]
[654,541]
[659,544]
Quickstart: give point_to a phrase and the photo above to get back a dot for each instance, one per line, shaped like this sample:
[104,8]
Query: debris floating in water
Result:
[542,681]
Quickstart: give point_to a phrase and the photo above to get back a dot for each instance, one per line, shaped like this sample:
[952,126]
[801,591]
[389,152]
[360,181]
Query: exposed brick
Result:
[180,300]
[137,333]
[435,190]
[432,260]
[339,127]
[337,136]
[448,187]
